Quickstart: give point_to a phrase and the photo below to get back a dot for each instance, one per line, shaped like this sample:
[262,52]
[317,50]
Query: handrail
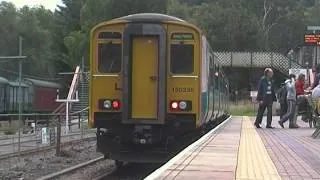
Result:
[74,83]
[59,108]
[78,112]
[45,114]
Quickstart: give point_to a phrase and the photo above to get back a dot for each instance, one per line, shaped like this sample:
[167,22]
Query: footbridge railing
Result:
[257,60]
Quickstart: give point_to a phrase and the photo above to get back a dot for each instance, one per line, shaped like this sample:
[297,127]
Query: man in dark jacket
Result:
[266,96]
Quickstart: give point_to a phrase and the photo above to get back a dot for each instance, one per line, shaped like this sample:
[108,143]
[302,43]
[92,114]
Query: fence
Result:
[40,131]
[258,60]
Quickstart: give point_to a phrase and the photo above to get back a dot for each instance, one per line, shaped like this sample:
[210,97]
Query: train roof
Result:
[153,17]
[3,80]
[41,83]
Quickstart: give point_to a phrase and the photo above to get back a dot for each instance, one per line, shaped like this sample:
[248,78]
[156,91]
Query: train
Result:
[36,96]
[154,80]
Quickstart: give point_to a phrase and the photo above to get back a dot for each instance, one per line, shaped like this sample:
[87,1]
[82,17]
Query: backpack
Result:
[282,94]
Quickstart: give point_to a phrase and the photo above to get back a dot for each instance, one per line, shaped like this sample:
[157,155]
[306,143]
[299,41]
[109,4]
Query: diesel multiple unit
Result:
[153,80]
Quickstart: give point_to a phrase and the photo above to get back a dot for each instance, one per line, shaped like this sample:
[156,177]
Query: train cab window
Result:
[181,58]
[109,57]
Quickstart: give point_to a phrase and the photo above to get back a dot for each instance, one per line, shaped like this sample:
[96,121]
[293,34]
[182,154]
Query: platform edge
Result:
[155,174]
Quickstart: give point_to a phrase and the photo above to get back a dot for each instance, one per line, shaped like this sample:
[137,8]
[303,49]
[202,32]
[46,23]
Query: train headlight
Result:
[182,105]
[107,104]
[174,105]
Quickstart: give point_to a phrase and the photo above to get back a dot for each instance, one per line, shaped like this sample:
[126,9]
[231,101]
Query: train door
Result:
[144,77]
[144,74]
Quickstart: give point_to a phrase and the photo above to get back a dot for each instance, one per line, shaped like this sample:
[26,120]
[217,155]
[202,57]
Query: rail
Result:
[69,99]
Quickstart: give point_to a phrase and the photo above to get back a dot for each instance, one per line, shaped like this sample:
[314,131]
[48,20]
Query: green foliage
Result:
[56,41]
[243,108]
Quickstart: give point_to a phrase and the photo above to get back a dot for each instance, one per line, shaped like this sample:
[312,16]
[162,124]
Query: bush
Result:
[9,130]
[242,108]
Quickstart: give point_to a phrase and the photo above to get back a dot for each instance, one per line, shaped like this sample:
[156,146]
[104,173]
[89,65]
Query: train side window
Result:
[181,58]
[216,78]
[109,57]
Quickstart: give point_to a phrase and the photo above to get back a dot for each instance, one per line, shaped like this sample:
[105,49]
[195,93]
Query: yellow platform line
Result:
[254,161]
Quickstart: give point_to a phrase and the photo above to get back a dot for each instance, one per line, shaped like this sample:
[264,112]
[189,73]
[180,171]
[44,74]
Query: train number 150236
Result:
[182,90]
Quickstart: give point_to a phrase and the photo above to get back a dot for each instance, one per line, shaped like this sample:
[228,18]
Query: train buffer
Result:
[237,150]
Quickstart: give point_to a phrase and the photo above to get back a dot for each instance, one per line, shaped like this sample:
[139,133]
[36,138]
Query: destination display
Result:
[312,39]
[182,36]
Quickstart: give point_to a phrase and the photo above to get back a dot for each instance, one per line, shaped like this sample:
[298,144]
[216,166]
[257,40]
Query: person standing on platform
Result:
[317,77]
[301,99]
[291,98]
[266,96]
[282,98]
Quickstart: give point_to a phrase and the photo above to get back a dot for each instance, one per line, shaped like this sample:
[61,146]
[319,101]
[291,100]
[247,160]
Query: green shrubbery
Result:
[242,108]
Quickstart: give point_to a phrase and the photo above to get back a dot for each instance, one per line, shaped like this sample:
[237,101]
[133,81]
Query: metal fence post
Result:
[231,56]
[79,120]
[58,148]
[271,54]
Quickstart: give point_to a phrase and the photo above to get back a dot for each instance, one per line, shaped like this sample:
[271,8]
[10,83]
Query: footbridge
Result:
[258,60]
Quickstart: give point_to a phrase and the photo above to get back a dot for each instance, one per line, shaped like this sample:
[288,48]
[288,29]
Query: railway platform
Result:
[237,150]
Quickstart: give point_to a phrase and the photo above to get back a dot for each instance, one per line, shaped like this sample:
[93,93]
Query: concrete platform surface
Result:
[237,150]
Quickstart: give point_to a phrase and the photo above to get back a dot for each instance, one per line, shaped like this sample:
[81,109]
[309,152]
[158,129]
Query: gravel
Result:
[36,165]
[90,172]
[132,171]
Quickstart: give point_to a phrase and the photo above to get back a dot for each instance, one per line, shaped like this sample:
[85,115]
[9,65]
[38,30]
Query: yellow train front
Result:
[153,82]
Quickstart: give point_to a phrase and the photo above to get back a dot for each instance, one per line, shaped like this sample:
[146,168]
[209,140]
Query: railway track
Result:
[42,149]
[71,169]
[131,171]
[126,172]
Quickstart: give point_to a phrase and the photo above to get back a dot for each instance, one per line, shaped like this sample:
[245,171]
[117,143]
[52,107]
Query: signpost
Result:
[312,39]
[44,135]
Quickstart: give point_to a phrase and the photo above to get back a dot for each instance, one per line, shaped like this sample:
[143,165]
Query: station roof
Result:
[40,83]
[3,80]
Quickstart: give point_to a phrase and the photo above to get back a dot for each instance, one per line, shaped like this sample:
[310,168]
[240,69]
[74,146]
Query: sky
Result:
[48,4]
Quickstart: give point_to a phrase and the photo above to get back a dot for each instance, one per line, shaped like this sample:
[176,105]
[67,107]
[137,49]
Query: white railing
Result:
[72,95]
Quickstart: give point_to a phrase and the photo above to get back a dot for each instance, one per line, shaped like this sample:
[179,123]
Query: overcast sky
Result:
[48,4]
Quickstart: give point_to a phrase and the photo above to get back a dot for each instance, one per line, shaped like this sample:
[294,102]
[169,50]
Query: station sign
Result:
[312,39]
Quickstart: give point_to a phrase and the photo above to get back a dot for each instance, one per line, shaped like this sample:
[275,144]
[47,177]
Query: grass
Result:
[8,129]
[242,108]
